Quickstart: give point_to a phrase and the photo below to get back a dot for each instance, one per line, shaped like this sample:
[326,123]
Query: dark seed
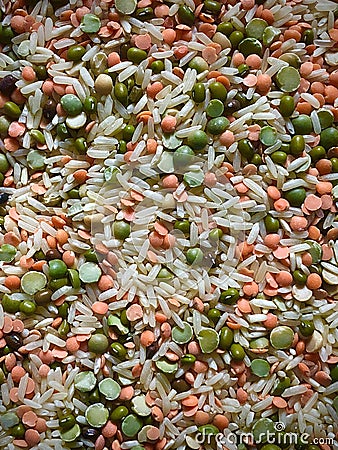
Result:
[91,433]
[7,85]
[151,350]
[180,385]
[14,341]
[53,254]
[233,105]
[49,110]
[4,198]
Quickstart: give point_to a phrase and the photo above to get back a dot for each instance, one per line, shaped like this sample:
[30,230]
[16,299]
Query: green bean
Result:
[186,15]
[198,93]
[121,93]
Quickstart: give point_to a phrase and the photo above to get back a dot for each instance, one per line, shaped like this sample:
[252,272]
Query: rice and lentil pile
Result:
[168,255]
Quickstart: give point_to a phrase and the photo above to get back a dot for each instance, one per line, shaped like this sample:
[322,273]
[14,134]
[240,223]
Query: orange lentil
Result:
[113,59]
[314,281]
[100,308]
[327,201]
[162,11]
[320,98]
[105,282]
[11,144]
[168,124]
[26,263]
[154,89]
[292,34]
[298,223]
[151,146]
[300,347]
[12,282]
[331,93]
[241,395]
[169,36]
[59,88]
[181,51]
[279,402]
[32,437]
[72,344]
[267,15]
[238,59]
[241,188]
[263,83]
[70,90]
[284,278]
[134,312]
[314,232]
[109,430]
[207,29]
[324,166]
[317,88]
[306,68]
[323,378]
[254,61]
[68,257]
[30,386]
[272,240]
[18,24]
[307,259]
[170,182]
[210,179]
[22,409]
[250,289]
[143,41]
[333,78]
[271,321]
[10,361]
[16,129]
[224,80]
[51,241]
[312,202]
[155,239]
[29,419]
[160,318]
[244,306]
[227,138]
[209,54]
[62,237]
[80,176]
[324,187]
[18,325]
[274,193]
[44,370]
[220,421]
[48,87]
[168,241]
[20,443]
[304,108]
[191,400]
[281,205]
[200,366]
[250,80]
[247,4]
[147,338]
[40,425]
[281,252]
[213,74]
